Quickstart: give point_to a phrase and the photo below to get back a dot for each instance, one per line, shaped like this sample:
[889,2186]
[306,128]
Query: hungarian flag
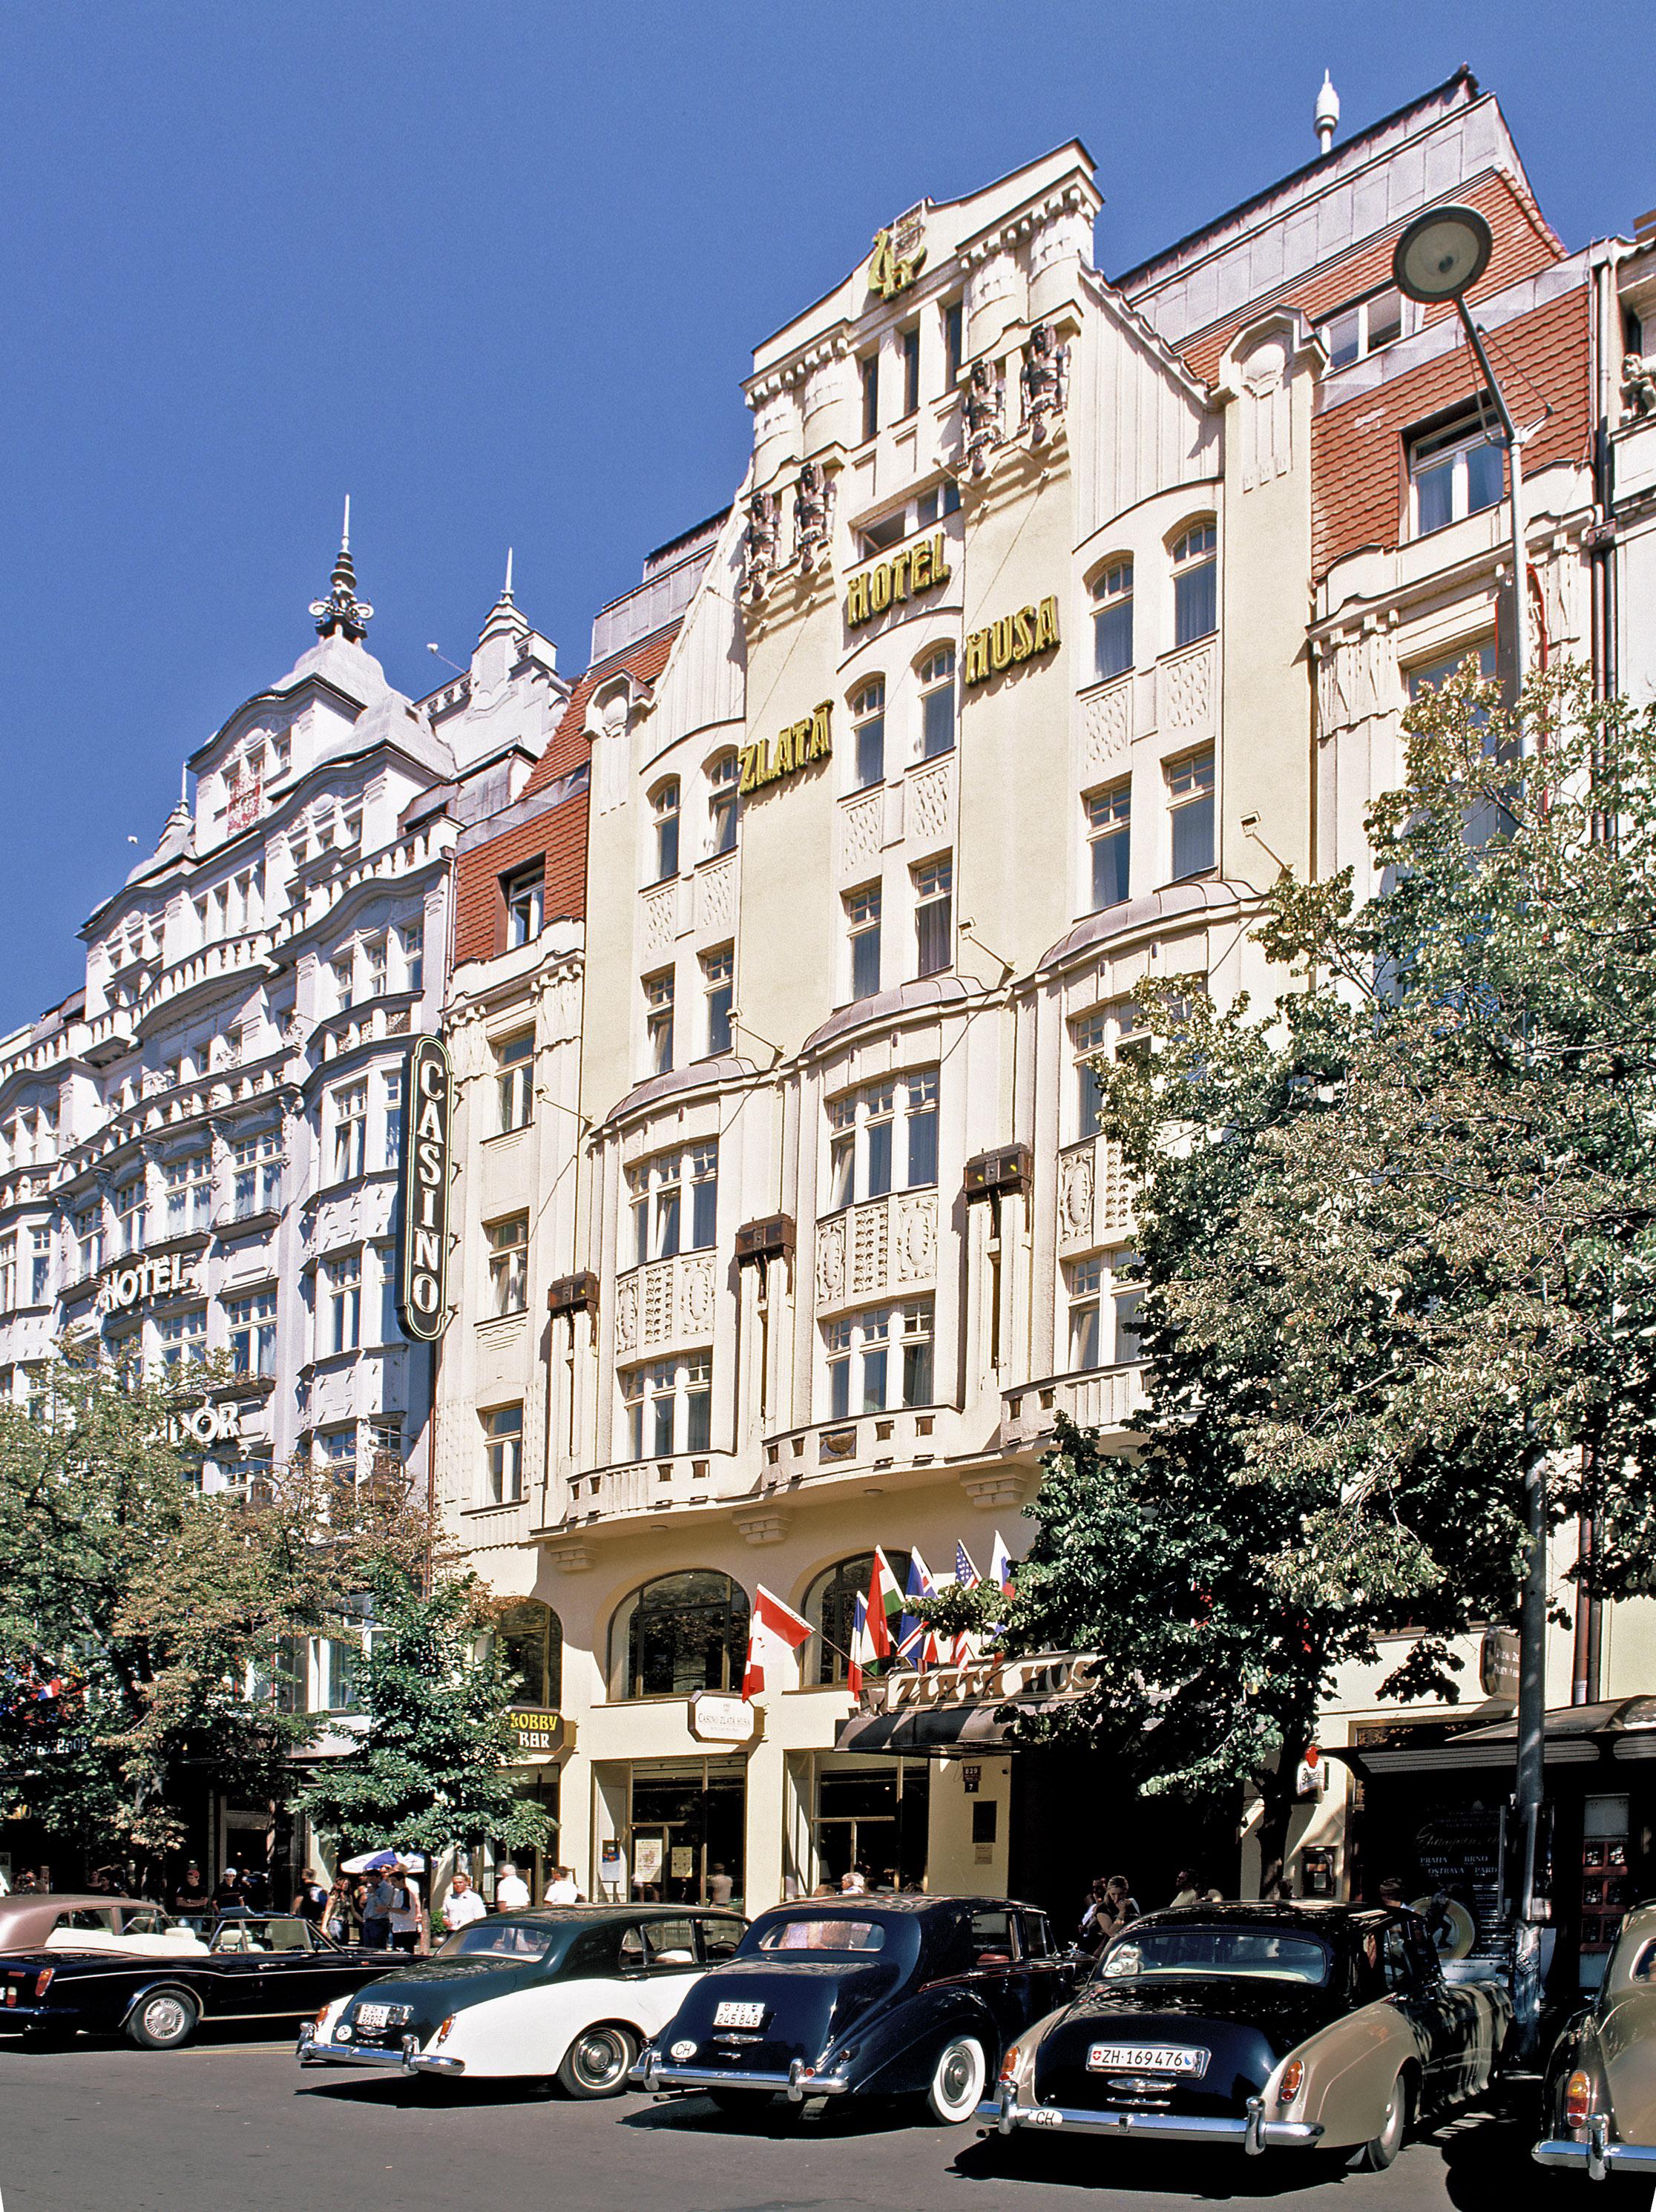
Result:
[859,1664]
[774,1631]
[885,1614]
[914,1641]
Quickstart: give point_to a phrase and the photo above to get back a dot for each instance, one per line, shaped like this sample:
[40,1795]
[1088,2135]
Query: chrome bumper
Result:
[1598,2156]
[1253,2134]
[406,2058]
[797,2084]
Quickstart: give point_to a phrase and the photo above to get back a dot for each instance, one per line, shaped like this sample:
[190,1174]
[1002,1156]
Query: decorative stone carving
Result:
[1267,414]
[992,1492]
[657,917]
[1639,383]
[658,1303]
[811,516]
[569,1559]
[716,894]
[1190,691]
[982,406]
[760,545]
[831,1260]
[762,1524]
[859,823]
[1076,1193]
[696,1294]
[1113,1195]
[928,793]
[870,1236]
[916,1237]
[1107,725]
[626,1314]
[1046,379]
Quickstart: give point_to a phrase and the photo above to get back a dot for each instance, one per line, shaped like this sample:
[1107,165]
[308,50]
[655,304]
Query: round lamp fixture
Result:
[1442,254]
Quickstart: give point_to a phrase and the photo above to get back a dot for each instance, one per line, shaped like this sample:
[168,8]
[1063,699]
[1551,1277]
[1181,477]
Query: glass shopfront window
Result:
[871,1816]
[679,1634]
[685,1834]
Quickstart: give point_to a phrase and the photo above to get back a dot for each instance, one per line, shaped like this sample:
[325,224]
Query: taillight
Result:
[321,2019]
[1012,2062]
[43,1980]
[442,2036]
[1292,2074]
[1578,2099]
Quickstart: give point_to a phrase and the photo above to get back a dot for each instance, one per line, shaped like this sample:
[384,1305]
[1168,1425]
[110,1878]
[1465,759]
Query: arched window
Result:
[830,1608]
[723,775]
[1195,583]
[531,1647]
[937,703]
[1112,619]
[681,1633]
[868,721]
[664,803]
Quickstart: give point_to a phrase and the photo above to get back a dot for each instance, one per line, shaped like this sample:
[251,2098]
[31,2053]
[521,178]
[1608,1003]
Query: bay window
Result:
[189,1193]
[657,1196]
[883,1137]
[252,1334]
[349,1132]
[879,1359]
[342,1279]
[256,1175]
[668,1405]
[868,732]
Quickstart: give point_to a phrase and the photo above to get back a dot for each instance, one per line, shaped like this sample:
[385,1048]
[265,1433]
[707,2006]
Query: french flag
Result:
[774,1631]
[999,1567]
[914,1640]
[859,1646]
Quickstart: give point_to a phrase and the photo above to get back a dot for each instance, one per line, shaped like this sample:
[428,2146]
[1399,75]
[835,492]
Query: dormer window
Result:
[524,893]
[1363,327]
[1454,470]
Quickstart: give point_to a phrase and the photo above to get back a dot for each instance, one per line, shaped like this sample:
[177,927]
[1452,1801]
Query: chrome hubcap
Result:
[165,2017]
[600,2058]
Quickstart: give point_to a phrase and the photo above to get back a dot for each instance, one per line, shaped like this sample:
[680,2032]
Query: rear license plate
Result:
[1146,2058]
[738,2015]
[372,2015]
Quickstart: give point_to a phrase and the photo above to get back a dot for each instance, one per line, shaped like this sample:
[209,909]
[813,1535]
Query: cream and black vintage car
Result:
[1262,2026]
[1599,2096]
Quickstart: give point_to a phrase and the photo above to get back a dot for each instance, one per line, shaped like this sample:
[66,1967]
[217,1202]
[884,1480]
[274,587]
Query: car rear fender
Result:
[161,1979]
[1349,2068]
[897,2052]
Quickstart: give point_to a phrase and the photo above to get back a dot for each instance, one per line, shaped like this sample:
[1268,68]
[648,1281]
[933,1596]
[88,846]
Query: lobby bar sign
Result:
[422,1300]
[798,745]
[168,1276]
[921,569]
[1016,637]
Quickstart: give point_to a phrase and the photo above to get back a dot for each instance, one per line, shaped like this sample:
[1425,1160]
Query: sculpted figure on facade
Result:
[1639,383]
[810,501]
[983,404]
[1045,379]
[760,545]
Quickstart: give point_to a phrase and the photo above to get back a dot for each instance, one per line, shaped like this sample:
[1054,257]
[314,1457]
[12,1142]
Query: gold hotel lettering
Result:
[921,569]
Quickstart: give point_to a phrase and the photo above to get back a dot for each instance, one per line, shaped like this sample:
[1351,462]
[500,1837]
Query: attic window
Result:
[1363,327]
[524,893]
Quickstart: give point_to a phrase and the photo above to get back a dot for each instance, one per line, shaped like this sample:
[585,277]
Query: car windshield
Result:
[823,1935]
[512,1939]
[1149,1953]
[280,1931]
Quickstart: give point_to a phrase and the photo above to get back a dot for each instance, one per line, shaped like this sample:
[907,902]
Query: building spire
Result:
[342,610]
[506,594]
[1326,115]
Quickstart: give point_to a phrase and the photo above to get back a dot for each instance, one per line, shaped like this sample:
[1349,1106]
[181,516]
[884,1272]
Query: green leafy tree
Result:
[137,1614]
[428,1772]
[1398,1241]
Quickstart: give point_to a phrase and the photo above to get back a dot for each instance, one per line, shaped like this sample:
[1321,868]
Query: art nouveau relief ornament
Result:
[1267,414]
[760,545]
[983,407]
[1046,379]
[811,498]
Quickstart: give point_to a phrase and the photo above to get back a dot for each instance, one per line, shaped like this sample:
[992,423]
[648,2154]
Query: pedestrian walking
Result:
[562,1889]
[407,1913]
[339,1916]
[721,1887]
[310,1899]
[462,1905]
[376,1913]
[511,1890]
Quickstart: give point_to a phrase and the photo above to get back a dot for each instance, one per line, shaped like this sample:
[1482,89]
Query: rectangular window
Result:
[1364,327]
[658,1023]
[665,807]
[129,1217]
[1195,584]
[723,782]
[719,984]
[189,1193]
[374,967]
[341,972]
[413,952]
[668,1407]
[509,1264]
[1454,471]
[524,893]
[910,344]
[40,1266]
[1191,806]
[1109,1033]
[879,1359]
[920,1117]
[349,1132]
[865,1129]
[868,726]
[256,1175]
[342,1279]
[183,1338]
[1109,833]
[515,1066]
[1112,620]
[953,342]
[1085,1284]
[937,703]
[1127,1304]
[879,1109]
[1488,816]
[89,1239]
[7,1274]
[940,499]
[252,1334]
[934,908]
[393,1156]
[703,1164]
[503,1432]
[862,921]
[870,369]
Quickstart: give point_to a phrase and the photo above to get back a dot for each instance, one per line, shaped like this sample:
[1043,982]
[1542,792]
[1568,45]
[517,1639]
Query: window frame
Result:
[348,1114]
[869,733]
[862,1128]
[514,1079]
[862,930]
[507,1243]
[890,1348]
[718,967]
[659,990]
[723,779]
[933,882]
[1107,813]
[1186,805]
[1193,567]
[523,898]
[1448,442]
[1111,593]
[940,712]
[342,1278]
[666,803]
[502,1453]
[666,1406]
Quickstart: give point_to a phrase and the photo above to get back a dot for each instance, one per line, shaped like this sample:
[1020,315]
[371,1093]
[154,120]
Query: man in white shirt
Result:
[462,1905]
[405,1917]
[561,1890]
[511,1890]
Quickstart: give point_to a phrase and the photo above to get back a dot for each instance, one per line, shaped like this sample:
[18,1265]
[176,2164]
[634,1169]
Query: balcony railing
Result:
[1103,1398]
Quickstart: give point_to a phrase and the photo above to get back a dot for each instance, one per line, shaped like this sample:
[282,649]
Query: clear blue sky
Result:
[496,271]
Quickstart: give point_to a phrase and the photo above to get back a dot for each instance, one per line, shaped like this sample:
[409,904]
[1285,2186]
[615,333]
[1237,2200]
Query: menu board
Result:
[1458,1850]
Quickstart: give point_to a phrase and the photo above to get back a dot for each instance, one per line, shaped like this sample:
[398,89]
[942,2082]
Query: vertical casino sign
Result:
[422,1291]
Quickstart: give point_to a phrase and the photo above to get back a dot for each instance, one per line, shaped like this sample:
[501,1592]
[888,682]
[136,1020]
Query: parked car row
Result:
[1259,2027]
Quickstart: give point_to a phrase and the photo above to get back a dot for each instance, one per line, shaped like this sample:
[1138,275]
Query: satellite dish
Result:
[1442,254]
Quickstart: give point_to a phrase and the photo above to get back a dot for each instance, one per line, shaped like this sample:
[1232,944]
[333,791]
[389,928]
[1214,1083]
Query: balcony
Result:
[664,1303]
[642,1491]
[370,1021]
[1104,1398]
[887,1245]
[862,1444]
[204,970]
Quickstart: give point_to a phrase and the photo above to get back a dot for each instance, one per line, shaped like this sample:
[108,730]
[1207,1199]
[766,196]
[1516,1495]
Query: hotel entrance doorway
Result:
[685,1839]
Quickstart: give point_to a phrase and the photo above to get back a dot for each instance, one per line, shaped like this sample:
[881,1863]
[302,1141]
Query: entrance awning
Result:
[959,1709]
[1615,1730]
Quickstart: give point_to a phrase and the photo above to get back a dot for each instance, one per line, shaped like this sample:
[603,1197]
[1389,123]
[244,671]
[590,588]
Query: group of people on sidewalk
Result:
[1110,1905]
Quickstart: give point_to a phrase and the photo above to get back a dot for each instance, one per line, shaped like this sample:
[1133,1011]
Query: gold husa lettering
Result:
[976,656]
[1046,625]
[1023,633]
[856,600]
[1000,644]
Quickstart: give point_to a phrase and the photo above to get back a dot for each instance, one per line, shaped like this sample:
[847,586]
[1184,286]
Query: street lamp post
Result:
[1438,258]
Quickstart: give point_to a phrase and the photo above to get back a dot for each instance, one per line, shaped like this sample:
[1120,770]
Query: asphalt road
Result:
[234,2126]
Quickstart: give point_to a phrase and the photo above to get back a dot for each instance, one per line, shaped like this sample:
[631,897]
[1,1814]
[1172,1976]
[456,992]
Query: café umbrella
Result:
[378,1862]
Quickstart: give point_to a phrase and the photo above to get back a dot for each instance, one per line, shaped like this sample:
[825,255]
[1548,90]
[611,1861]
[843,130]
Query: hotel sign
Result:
[921,569]
[422,1291]
[169,1276]
[1002,644]
[798,745]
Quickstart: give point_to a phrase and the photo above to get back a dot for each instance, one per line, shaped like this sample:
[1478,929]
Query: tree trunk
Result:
[1277,1793]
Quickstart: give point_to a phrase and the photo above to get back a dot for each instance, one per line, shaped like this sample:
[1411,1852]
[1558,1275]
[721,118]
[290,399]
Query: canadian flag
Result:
[773,1629]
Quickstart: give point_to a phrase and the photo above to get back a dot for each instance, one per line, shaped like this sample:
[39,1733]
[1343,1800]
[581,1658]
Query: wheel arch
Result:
[179,1984]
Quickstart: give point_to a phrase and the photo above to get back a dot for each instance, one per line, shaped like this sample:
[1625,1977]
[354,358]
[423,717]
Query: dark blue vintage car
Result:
[864,1995]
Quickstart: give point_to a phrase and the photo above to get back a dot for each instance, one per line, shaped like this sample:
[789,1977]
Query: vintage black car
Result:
[1599,2098]
[869,1994]
[243,1967]
[1264,2027]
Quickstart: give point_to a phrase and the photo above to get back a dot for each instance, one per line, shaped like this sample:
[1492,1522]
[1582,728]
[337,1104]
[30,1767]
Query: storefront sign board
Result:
[537,1730]
[423,1290]
[718,1719]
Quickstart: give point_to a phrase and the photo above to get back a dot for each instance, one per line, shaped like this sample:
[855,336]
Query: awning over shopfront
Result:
[1605,1734]
[949,1710]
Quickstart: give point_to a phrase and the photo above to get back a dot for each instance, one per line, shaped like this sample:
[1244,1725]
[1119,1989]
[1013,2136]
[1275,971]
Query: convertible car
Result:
[875,1995]
[160,1982]
[1600,2093]
[54,1920]
[568,1992]
[1265,2027]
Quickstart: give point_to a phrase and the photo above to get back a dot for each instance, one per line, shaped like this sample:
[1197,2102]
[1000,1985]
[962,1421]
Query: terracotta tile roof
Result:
[567,746]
